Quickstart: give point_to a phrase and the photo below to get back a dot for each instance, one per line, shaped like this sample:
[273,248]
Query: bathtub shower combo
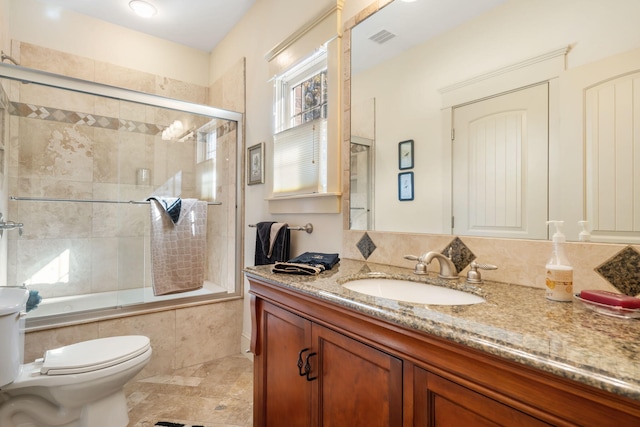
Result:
[78,161]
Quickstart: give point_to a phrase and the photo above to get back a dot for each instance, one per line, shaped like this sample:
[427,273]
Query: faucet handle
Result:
[473,275]
[421,267]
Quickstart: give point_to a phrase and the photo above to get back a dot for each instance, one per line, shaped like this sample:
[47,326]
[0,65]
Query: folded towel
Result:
[178,250]
[302,269]
[327,261]
[272,242]
[308,263]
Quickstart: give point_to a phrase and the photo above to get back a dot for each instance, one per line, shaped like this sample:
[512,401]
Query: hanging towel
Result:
[172,205]
[178,248]
[272,242]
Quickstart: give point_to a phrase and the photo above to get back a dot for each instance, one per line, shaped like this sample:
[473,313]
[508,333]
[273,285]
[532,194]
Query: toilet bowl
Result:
[79,385]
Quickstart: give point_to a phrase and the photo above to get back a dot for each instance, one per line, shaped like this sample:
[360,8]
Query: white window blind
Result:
[299,159]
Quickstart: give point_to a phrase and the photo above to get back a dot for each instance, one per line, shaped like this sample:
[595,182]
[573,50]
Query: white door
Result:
[500,165]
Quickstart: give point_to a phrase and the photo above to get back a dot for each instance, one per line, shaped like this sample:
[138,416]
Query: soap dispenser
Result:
[584,235]
[559,273]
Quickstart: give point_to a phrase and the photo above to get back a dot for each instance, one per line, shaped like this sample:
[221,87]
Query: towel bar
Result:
[308,227]
[130,202]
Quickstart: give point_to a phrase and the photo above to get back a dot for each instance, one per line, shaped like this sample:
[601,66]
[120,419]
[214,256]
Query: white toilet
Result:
[80,385]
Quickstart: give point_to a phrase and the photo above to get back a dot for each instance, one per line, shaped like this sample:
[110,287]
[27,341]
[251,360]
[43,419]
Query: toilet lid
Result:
[92,355]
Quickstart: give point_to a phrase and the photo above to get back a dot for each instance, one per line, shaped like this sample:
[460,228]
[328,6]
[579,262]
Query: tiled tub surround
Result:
[180,337]
[515,322]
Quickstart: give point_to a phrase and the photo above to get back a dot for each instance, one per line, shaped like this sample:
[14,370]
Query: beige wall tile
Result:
[127,78]
[54,61]
[208,332]
[159,327]
[36,343]
[177,89]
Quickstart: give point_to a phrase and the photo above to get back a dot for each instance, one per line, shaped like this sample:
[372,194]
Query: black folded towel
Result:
[308,263]
[316,258]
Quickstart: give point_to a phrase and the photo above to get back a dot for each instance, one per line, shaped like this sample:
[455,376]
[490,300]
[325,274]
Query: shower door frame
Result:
[23,74]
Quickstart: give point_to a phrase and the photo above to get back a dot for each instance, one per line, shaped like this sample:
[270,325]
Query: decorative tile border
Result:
[77,118]
[38,112]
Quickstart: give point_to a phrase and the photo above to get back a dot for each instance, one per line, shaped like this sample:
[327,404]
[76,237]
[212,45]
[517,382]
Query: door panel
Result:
[440,402]
[358,385]
[287,395]
[500,166]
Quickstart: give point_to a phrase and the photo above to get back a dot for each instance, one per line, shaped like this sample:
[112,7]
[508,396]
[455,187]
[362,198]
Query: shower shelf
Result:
[129,202]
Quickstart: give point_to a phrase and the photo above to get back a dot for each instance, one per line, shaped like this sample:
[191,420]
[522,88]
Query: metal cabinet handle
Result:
[307,367]
[301,366]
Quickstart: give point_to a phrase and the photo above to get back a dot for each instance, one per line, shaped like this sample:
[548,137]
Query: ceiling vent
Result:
[382,36]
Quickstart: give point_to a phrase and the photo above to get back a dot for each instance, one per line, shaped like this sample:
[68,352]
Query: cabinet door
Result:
[443,403]
[282,395]
[356,385]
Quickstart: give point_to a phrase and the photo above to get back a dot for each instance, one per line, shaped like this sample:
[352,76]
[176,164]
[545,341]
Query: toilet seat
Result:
[92,355]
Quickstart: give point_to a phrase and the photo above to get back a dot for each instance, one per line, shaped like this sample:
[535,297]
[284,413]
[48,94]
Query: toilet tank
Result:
[13,307]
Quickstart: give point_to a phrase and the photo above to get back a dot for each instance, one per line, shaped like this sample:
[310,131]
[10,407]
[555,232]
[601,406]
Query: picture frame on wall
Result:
[255,164]
[405,154]
[405,186]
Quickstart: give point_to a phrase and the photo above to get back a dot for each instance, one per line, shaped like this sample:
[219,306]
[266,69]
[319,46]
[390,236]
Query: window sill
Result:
[306,203]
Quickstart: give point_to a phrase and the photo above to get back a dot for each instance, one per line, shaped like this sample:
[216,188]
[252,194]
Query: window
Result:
[206,157]
[305,171]
[300,142]
[309,99]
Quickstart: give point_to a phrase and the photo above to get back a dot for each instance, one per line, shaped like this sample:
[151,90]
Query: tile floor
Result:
[214,394]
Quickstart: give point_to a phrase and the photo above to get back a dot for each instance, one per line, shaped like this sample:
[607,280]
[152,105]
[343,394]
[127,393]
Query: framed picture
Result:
[255,164]
[405,154]
[405,186]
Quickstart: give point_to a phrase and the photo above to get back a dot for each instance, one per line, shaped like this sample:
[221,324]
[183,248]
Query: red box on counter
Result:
[611,298]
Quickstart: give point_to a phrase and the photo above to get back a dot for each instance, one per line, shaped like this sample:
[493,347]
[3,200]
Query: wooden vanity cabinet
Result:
[318,363]
[309,375]
[441,402]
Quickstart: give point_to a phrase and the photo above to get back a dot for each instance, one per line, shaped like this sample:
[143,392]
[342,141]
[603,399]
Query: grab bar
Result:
[131,202]
[308,227]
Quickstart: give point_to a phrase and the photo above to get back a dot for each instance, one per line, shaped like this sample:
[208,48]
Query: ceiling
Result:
[399,26]
[200,24]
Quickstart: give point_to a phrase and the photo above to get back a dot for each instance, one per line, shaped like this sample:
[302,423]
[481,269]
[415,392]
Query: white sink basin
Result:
[416,292]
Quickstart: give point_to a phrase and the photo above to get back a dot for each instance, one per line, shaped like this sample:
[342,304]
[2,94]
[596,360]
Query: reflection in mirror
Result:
[474,179]
[361,166]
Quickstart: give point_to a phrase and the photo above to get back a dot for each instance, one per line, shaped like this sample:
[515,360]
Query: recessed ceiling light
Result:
[142,8]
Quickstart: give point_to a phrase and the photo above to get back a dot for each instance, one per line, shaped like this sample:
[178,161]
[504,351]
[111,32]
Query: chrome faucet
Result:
[447,267]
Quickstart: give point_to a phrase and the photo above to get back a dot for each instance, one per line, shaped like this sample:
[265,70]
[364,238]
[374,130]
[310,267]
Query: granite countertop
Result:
[516,322]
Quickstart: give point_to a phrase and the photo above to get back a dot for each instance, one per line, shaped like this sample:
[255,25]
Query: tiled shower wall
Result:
[180,336]
[67,145]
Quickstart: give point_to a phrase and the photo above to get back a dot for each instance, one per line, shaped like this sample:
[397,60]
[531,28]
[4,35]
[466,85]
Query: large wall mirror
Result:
[519,111]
